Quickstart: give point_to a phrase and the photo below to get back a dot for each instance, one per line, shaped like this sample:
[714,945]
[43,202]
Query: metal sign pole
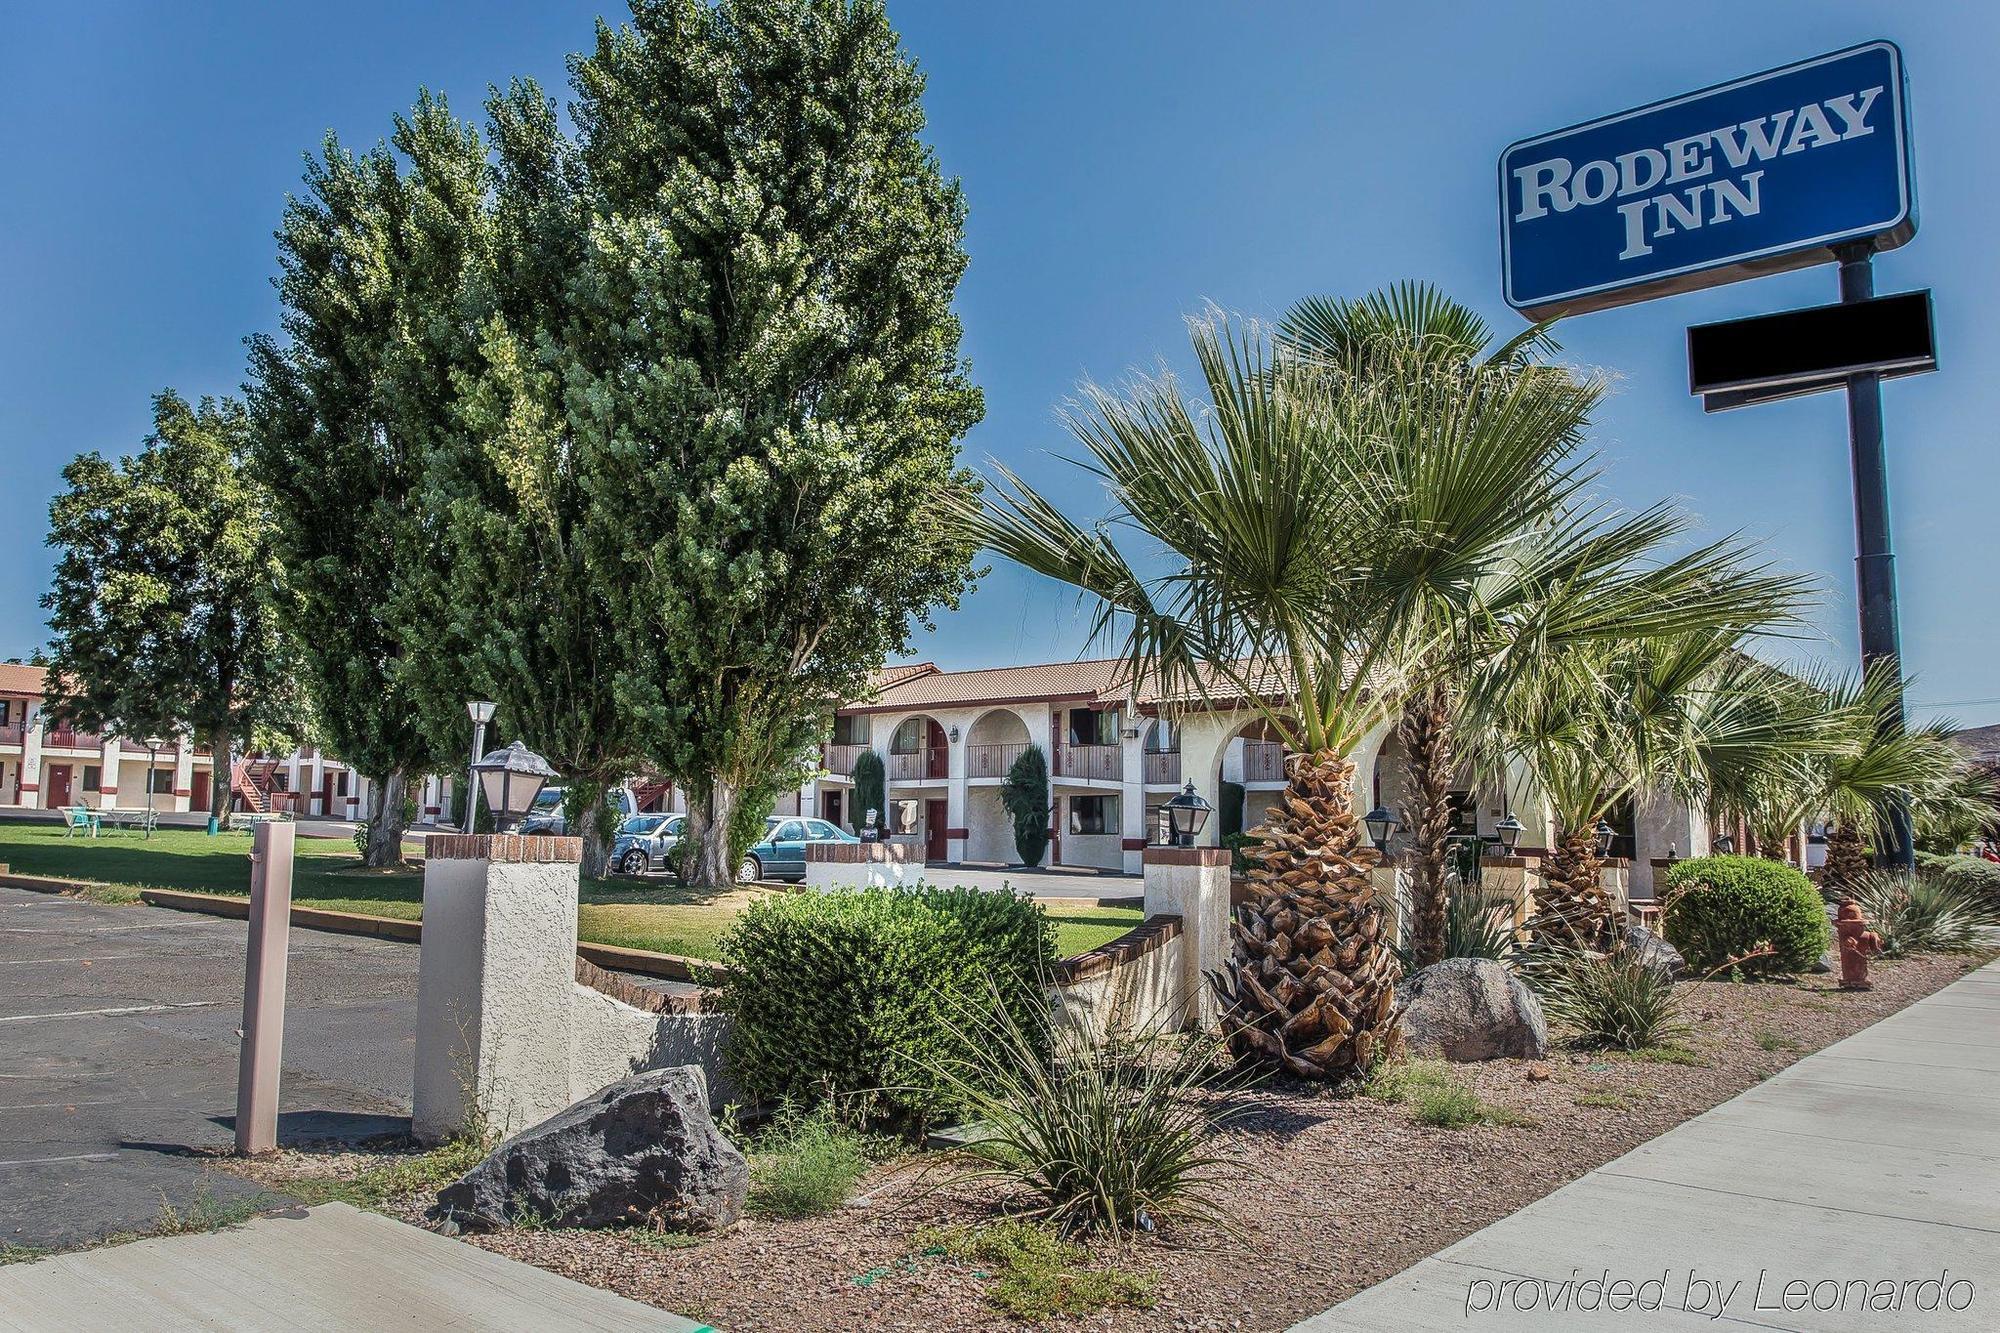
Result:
[1874,557]
[263,1031]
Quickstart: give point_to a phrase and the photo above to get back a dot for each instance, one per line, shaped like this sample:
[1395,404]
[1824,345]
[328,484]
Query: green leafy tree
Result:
[761,375]
[1025,794]
[350,409]
[162,605]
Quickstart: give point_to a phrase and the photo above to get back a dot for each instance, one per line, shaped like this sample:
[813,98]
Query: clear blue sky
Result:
[1124,163]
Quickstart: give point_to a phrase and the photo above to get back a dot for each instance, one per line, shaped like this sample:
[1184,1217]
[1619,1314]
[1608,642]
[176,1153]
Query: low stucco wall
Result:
[1132,984]
[610,1040]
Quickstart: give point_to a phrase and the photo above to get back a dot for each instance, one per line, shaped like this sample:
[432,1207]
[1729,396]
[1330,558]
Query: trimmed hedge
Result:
[1721,907]
[1974,873]
[861,995]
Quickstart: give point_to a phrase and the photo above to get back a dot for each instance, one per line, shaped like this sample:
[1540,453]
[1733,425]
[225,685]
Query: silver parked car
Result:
[644,841]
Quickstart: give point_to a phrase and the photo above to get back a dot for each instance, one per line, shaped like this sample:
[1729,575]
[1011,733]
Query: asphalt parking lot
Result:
[118,1053]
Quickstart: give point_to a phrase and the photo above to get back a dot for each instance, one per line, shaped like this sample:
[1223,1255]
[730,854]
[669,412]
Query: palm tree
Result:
[1312,517]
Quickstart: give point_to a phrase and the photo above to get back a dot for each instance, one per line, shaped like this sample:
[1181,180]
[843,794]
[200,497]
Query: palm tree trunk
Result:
[1426,736]
[1312,984]
[1574,909]
[1846,858]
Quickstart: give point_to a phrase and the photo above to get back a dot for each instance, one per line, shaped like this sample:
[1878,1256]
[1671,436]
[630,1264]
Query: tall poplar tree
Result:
[763,376]
[162,607]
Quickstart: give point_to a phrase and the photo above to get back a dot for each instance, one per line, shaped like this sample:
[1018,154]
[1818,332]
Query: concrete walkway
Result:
[1875,1161]
[333,1267]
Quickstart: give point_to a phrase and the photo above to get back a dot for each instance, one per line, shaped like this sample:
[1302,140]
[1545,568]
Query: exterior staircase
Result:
[250,783]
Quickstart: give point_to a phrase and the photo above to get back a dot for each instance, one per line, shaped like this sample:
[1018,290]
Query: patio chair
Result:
[80,818]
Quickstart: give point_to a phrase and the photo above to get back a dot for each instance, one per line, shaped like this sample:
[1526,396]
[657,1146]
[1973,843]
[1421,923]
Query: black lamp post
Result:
[511,780]
[1187,815]
[1604,833]
[152,744]
[1382,825]
[1509,831]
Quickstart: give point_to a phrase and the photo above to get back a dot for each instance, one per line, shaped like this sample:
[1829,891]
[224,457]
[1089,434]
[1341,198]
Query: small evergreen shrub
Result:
[1025,794]
[859,995]
[1724,907]
[871,792]
[805,1164]
[1975,873]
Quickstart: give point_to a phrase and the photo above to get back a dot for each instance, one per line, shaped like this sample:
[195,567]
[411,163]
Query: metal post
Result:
[472,778]
[152,762]
[1874,557]
[263,1030]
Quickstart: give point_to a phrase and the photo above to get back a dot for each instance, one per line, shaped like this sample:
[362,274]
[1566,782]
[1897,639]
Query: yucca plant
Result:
[1619,999]
[1110,1133]
[1477,923]
[1923,912]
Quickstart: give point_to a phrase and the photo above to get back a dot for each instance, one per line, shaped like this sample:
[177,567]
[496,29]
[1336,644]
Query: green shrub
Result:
[1927,912]
[1720,908]
[853,995]
[870,793]
[1478,923]
[805,1164]
[1969,872]
[1025,794]
[1618,999]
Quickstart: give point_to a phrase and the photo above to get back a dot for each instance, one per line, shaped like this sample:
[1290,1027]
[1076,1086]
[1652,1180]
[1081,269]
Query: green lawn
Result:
[639,914]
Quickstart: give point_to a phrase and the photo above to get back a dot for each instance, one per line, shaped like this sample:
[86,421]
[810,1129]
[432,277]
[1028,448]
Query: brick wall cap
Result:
[504,848]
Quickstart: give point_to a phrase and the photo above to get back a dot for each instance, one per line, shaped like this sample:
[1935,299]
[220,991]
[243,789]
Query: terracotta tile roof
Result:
[18,679]
[932,688]
[1982,743]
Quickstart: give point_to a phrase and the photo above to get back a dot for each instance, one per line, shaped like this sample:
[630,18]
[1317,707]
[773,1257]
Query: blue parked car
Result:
[782,854]
[644,842]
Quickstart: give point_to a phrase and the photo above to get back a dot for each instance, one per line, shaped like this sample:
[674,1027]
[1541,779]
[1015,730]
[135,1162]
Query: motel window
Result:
[1464,812]
[1094,726]
[850,729]
[1163,738]
[90,776]
[6,711]
[909,737]
[1093,814]
[161,781]
[280,779]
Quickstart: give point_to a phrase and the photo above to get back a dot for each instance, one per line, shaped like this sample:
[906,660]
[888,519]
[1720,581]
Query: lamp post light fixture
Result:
[1382,825]
[511,780]
[1509,831]
[1604,833]
[481,713]
[152,744]
[1187,814]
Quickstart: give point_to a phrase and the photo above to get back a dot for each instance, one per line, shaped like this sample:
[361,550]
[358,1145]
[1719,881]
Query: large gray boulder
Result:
[645,1148]
[1653,949]
[1472,1009]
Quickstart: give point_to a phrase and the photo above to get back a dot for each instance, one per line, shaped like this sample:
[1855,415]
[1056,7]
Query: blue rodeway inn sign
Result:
[1756,176]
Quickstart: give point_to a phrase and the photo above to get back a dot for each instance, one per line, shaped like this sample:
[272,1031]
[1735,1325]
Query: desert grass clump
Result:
[1436,1096]
[805,1164]
[1620,999]
[1037,1275]
[1925,912]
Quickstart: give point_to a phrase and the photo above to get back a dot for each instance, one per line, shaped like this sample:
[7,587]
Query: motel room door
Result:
[935,847]
[58,785]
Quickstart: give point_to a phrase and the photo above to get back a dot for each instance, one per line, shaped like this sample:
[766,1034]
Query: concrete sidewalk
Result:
[333,1267]
[1875,1161]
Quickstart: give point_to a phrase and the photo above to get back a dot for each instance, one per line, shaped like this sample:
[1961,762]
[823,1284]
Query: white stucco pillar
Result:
[317,805]
[31,758]
[1663,828]
[108,762]
[494,981]
[1192,883]
[957,813]
[183,774]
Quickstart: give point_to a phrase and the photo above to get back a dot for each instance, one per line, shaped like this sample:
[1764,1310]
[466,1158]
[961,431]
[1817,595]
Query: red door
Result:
[935,847]
[198,793]
[58,785]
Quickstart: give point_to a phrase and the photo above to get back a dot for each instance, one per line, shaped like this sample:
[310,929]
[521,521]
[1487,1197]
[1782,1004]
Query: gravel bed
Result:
[1335,1193]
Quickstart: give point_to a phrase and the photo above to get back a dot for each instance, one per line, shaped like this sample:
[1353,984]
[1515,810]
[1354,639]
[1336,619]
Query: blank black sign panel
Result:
[1888,333]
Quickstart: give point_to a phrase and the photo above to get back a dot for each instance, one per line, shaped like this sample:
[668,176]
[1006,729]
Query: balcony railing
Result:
[67,738]
[1163,768]
[934,762]
[1263,761]
[992,761]
[11,733]
[839,759]
[1097,763]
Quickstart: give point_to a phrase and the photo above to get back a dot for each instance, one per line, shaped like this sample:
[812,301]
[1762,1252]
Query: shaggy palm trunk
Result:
[1574,910]
[385,821]
[1426,735]
[1312,984]
[1846,858]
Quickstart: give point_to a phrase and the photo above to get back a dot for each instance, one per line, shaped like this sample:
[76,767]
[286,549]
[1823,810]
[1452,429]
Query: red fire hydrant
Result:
[1857,945]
